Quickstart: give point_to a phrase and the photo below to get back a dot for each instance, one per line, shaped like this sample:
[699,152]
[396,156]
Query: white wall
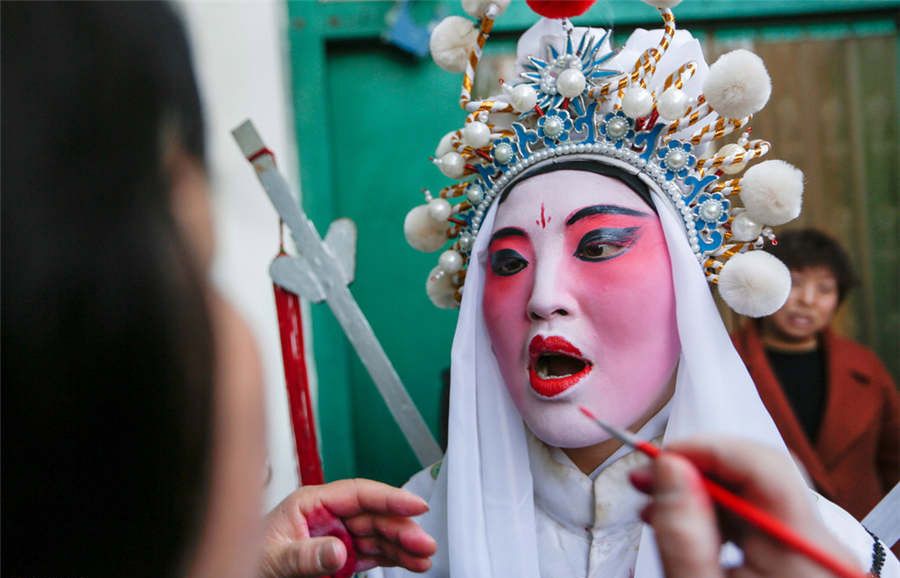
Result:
[240,55]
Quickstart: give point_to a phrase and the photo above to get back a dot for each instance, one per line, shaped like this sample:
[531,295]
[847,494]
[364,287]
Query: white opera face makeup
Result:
[579,305]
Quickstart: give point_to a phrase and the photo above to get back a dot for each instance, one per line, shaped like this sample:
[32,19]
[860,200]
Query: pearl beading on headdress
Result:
[569,104]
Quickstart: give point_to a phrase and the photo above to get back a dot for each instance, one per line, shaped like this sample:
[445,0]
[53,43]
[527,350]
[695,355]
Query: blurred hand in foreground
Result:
[689,529]
[342,527]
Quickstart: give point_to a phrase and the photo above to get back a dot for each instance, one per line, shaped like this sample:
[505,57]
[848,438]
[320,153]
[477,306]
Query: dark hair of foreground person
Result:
[106,346]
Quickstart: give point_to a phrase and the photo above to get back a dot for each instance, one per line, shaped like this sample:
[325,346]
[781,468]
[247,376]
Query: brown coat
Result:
[856,459]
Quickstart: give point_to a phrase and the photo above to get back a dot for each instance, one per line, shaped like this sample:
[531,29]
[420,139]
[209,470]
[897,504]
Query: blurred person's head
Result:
[118,362]
[821,277]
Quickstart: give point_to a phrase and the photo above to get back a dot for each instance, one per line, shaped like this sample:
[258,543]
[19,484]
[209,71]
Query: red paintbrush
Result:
[742,508]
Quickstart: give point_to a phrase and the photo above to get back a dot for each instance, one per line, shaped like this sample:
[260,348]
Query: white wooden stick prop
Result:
[323,273]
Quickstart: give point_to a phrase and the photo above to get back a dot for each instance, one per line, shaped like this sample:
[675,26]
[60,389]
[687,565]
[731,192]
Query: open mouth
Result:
[555,365]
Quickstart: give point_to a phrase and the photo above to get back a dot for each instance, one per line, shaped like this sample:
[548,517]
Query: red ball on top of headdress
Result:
[560,8]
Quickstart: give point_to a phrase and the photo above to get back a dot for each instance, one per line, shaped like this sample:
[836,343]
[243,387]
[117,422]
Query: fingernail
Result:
[642,479]
[669,485]
[328,556]
[411,505]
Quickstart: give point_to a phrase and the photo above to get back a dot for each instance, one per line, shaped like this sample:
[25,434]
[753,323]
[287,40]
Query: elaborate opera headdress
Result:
[650,109]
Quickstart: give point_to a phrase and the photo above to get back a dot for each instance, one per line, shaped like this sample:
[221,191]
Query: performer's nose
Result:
[548,297]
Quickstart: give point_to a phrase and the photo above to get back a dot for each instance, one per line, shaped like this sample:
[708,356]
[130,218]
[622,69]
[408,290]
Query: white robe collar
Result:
[605,498]
[577,501]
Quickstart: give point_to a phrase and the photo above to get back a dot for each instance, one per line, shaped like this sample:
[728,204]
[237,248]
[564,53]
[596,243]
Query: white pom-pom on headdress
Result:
[772,192]
[451,42]
[738,84]
[423,232]
[441,290]
[663,3]
[755,283]
[477,8]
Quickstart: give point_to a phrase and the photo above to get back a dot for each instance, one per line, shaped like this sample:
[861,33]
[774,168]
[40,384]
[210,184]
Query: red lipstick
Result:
[554,365]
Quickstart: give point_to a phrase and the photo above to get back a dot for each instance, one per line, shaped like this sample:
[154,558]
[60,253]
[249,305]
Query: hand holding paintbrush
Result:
[792,540]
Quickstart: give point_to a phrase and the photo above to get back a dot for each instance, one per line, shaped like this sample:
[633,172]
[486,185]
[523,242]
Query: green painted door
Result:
[382,126]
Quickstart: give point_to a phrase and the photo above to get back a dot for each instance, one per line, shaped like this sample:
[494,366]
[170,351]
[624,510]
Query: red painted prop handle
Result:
[302,416]
[323,523]
[560,8]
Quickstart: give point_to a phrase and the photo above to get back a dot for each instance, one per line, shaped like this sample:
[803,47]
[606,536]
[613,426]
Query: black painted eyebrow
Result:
[507,232]
[604,210]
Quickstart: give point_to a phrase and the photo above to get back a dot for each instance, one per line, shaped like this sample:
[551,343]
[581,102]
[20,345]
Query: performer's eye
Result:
[506,262]
[603,244]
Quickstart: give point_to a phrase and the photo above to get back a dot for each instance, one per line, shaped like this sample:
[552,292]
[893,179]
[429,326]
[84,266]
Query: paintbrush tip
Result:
[622,435]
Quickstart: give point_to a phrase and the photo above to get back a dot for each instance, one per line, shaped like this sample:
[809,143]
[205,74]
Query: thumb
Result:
[306,558]
[684,520]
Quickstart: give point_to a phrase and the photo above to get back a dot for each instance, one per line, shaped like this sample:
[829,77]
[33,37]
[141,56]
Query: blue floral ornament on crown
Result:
[503,152]
[618,128]
[677,159]
[711,210]
[553,128]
